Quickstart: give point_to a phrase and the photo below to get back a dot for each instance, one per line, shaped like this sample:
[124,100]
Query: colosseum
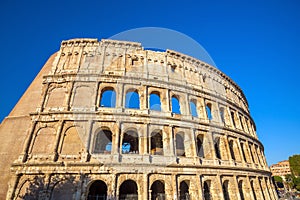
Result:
[111,120]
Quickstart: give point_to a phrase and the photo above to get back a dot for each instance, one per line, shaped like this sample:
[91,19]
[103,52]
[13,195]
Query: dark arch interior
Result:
[200,150]
[241,190]
[158,190]
[130,142]
[156,143]
[206,191]
[179,145]
[103,142]
[98,191]
[225,190]
[184,191]
[128,190]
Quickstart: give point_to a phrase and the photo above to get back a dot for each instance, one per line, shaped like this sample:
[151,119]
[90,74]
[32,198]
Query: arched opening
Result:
[97,191]
[231,146]
[130,143]
[233,118]
[156,143]
[243,152]
[217,147]
[128,190]
[108,98]
[193,109]
[175,105]
[208,111]
[222,114]
[240,184]
[253,190]
[132,99]
[158,191]
[200,149]
[180,145]
[242,124]
[184,191]
[103,143]
[225,190]
[155,103]
[206,190]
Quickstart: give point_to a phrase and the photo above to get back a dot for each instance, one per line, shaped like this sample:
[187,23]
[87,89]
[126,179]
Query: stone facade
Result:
[281,168]
[87,128]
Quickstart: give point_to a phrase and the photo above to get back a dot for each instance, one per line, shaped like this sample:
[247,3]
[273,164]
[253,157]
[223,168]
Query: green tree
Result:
[278,179]
[295,164]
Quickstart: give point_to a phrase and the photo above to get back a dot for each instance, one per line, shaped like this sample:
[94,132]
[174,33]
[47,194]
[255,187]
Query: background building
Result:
[281,168]
[111,120]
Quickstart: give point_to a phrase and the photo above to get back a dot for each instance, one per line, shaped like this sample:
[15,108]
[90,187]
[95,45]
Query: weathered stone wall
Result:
[214,154]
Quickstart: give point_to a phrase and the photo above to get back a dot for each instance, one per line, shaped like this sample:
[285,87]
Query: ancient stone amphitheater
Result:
[110,120]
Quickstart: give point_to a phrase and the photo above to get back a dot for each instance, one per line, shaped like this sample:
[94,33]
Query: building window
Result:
[103,142]
[208,111]
[231,148]
[128,190]
[155,103]
[193,109]
[200,149]
[156,143]
[98,190]
[179,145]
[157,190]
[225,190]
[108,98]
[241,190]
[130,143]
[206,190]
[184,191]
[132,99]
[175,105]
[222,114]
[217,147]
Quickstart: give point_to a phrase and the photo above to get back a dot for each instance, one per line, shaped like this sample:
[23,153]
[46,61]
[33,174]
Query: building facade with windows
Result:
[281,168]
[110,120]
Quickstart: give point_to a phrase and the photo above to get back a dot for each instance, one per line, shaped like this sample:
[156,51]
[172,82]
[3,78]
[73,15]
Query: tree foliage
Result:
[295,164]
[278,179]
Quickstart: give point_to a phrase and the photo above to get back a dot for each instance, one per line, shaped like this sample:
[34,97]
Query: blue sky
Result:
[256,43]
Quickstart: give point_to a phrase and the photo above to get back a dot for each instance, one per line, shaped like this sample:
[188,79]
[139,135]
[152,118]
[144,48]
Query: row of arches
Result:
[243,189]
[228,117]
[224,148]
[157,100]
[160,142]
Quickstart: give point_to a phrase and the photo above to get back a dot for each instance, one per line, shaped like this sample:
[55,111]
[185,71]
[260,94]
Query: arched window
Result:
[179,145]
[156,144]
[130,142]
[231,148]
[98,190]
[184,191]
[175,105]
[158,190]
[108,98]
[128,190]
[132,99]
[233,118]
[225,190]
[208,111]
[193,109]
[200,151]
[206,190]
[241,190]
[243,152]
[155,103]
[222,114]
[103,142]
[217,147]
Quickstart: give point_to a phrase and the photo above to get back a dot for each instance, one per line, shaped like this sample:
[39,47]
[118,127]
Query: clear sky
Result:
[256,43]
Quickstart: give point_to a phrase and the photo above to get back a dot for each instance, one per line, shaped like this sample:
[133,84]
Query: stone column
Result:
[57,141]
[236,184]
[24,154]
[220,186]
[12,186]
[120,96]
[174,187]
